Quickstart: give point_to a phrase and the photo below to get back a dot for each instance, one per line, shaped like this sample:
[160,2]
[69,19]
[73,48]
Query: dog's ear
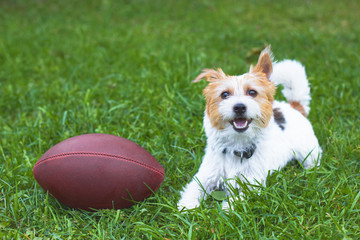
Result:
[210,75]
[264,64]
[252,68]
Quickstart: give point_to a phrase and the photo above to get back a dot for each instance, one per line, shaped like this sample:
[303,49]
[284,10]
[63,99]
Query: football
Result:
[98,171]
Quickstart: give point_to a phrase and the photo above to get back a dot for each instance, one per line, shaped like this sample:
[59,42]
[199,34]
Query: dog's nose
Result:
[239,108]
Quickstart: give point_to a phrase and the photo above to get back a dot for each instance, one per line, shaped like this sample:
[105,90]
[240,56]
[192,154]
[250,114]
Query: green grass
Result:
[125,68]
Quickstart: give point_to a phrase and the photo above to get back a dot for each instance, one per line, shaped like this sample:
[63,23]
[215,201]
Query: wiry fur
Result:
[275,145]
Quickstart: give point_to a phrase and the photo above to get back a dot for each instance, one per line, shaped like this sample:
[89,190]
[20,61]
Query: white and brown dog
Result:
[248,133]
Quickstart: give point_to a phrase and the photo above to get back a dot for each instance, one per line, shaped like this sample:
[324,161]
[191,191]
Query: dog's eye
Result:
[252,93]
[225,95]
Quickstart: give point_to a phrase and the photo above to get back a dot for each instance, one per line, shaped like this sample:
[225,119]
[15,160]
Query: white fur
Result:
[291,74]
[275,147]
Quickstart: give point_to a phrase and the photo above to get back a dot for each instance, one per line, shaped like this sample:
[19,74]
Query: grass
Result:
[125,68]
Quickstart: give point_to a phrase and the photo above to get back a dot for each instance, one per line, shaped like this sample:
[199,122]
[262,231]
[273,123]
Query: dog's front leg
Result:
[192,195]
[203,182]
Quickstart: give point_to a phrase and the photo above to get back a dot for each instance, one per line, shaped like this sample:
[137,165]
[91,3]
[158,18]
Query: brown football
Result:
[98,171]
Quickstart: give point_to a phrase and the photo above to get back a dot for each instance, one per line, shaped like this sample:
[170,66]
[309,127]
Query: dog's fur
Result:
[248,133]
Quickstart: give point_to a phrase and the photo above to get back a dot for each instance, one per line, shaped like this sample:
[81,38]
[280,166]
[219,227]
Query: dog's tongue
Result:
[240,122]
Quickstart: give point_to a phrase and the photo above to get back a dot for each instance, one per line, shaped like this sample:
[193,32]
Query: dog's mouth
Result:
[241,124]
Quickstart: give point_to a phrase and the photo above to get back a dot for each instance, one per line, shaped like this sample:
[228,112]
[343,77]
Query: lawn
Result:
[125,68]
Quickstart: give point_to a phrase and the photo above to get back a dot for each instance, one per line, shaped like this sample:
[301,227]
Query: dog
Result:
[249,134]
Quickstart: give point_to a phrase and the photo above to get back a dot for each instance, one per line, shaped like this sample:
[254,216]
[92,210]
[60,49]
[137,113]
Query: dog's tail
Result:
[291,74]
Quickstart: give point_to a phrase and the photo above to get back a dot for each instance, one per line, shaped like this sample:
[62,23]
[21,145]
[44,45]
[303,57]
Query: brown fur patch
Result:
[265,97]
[297,106]
[210,75]
[213,100]
[262,72]
[264,64]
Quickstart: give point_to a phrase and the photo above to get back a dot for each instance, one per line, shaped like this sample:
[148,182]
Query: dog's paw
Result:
[229,204]
[187,206]
[226,206]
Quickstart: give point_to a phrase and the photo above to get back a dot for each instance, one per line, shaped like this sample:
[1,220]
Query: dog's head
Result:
[240,102]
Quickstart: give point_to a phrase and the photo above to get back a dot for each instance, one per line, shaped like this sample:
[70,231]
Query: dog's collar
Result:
[247,153]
